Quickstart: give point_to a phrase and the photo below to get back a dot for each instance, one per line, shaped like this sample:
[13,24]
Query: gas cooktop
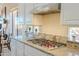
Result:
[46,43]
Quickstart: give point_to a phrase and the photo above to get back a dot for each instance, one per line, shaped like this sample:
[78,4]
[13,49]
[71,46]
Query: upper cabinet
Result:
[21,13]
[25,12]
[28,7]
[70,13]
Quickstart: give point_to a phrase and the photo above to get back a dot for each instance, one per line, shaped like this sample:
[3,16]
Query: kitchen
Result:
[44,29]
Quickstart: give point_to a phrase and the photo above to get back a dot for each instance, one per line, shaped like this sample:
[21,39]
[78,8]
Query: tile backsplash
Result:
[51,37]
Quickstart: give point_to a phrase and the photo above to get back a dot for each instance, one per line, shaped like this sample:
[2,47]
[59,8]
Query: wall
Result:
[51,24]
[37,20]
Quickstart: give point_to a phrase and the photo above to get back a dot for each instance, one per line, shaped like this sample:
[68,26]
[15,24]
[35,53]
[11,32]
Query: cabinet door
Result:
[25,50]
[13,47]
[28,13]
[70,13]
[30,51]
[19,48]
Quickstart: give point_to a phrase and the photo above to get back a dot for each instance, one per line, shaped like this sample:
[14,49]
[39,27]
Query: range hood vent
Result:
[47,9]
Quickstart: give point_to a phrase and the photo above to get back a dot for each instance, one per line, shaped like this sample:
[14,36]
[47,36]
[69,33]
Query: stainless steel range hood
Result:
[47,9]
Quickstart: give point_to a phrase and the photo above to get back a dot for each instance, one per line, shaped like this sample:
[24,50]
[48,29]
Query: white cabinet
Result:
[30,51]
[70,13]
[13,47]
[25,50]
[19,48]
[25,12]
[28,8]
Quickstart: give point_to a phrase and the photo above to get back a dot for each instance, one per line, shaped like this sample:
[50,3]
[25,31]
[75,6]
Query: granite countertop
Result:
[61,51]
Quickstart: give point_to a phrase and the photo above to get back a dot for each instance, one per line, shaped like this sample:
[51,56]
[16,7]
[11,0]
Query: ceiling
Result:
[9,5]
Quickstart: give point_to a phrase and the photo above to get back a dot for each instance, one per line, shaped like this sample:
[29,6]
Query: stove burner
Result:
[46,43]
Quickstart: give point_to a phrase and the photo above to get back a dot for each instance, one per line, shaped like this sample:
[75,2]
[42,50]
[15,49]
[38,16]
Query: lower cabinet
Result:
[17,48]
[30,51]
[21,49]
[13,47]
